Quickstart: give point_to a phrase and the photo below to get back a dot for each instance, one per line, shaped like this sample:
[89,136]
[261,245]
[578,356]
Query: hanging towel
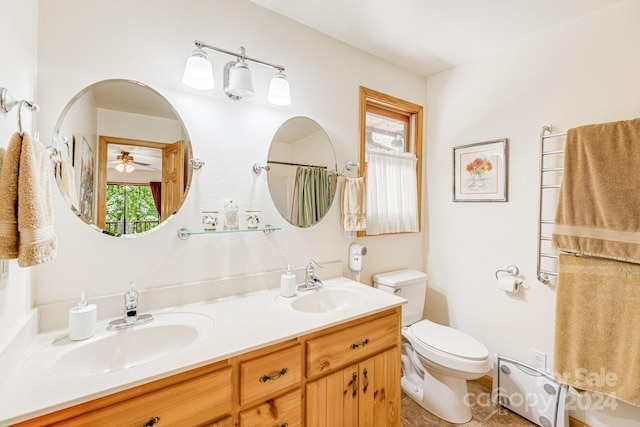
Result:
[598,204]
[66,179]
[354,216]
[35,207]
[597,340]
[9,199]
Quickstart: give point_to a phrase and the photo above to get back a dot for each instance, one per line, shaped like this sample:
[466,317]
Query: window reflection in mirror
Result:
[392,126]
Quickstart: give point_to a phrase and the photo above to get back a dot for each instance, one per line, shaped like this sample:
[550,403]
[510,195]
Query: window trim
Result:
[378,100]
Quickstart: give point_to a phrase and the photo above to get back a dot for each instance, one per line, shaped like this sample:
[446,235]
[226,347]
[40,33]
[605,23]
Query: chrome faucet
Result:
[311,281]
[131,316]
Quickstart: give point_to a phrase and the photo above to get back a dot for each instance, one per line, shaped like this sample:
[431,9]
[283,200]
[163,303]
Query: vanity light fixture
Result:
[238,80]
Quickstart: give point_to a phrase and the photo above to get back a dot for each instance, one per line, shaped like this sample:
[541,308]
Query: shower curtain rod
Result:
[296,164]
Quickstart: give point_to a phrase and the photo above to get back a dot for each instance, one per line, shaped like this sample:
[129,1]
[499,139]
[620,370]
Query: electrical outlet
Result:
[539,359]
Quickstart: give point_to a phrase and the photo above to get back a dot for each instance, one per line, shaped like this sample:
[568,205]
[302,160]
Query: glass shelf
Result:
[185,233]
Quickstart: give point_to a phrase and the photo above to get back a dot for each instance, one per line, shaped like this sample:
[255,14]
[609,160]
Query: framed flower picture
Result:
[480,172]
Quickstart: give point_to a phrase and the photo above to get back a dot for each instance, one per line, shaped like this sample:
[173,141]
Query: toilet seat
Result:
[448,347]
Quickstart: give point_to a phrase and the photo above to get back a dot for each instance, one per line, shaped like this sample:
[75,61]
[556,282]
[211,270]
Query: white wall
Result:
[84,41]
[584,72]
[18,64]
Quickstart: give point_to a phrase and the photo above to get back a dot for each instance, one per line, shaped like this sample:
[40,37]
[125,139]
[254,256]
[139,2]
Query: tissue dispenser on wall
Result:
[509,283]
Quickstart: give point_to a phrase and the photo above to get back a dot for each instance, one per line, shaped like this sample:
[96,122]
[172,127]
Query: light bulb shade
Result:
[241,81]
[198,73]
[125,167]
[279,93]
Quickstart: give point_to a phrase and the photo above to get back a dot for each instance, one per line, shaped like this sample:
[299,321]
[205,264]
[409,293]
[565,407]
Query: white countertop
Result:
[240,324]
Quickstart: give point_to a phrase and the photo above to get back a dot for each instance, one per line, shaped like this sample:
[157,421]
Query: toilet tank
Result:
[408,284]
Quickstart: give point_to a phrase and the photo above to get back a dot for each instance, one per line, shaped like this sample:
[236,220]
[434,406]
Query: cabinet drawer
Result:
[338,349]
[284,410]
[192,402]
[266,376]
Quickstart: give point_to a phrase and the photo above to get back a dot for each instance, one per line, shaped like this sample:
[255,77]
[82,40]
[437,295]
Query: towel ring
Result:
[512,270]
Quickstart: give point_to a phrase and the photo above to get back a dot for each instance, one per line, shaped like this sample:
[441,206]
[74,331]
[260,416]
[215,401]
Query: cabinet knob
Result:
[152,421]
[362,344]
[265,378]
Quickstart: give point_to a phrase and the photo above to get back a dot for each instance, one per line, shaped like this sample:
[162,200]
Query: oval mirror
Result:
[124,157]
[302,171]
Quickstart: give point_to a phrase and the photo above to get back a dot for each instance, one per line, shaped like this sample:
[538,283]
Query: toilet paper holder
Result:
[512,270]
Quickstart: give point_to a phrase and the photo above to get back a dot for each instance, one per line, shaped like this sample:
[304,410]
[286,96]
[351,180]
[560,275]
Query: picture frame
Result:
[480,171]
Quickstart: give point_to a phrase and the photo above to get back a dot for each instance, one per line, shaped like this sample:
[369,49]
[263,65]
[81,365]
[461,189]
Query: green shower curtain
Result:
[311,196]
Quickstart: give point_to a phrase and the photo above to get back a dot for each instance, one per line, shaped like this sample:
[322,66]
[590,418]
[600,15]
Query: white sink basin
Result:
[329,299]
[110,351]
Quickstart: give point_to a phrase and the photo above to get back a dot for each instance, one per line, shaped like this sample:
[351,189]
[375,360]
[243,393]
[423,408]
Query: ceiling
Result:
[430,36]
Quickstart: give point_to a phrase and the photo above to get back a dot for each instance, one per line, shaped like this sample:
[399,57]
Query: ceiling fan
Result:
[125,162]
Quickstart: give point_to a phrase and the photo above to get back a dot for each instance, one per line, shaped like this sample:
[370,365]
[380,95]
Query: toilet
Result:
[437,360]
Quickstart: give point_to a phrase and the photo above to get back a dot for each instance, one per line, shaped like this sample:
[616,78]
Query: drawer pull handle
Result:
[355,385]
[362,344]
[366,381]
[285,425]
[152,421]
[265,378]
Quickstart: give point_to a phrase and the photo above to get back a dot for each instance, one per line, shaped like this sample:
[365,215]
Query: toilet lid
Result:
[448,340]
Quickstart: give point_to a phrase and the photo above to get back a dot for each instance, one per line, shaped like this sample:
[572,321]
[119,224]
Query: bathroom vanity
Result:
[341,367]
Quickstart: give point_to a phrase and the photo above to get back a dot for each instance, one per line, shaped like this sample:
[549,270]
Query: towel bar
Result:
[7,102]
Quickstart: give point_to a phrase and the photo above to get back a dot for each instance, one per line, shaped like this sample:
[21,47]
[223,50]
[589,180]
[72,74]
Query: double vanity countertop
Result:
[55,373]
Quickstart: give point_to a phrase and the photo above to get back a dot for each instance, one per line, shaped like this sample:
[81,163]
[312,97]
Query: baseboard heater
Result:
[530,393]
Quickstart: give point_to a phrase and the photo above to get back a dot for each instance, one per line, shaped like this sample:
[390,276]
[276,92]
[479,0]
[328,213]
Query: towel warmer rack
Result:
[551,168]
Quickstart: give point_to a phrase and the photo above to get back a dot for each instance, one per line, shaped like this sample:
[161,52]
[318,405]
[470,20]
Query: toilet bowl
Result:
[437,360]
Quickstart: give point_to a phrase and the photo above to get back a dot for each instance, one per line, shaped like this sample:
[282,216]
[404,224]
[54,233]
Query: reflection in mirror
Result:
[124,157]
[302,171]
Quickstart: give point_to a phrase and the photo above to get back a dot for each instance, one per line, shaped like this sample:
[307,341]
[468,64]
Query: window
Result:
[392,125]
[130,208]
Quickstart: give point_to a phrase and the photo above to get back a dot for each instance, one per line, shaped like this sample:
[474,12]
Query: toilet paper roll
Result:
[508,283]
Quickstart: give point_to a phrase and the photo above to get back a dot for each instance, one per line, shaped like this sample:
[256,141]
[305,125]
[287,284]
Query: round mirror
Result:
[302,173]
[123,164]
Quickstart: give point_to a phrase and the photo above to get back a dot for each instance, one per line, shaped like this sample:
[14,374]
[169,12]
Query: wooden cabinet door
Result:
[366,394]
[379,390]
[333,400]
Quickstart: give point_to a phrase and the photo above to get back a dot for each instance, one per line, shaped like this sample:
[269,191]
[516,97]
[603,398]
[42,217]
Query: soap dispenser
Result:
[131,305]
[288,283]
[83,319]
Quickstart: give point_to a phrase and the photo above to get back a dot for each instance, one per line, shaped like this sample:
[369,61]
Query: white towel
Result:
[66,179]
[354,205]
[9,199]
[35,208]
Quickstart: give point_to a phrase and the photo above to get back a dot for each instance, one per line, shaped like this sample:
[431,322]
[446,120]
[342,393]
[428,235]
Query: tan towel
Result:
[598,205]
[66,179]
[597,340]
[35,208]
[354,205]
[9,199]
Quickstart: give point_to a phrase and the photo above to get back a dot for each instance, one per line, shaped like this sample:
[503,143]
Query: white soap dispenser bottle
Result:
[288,283]
[83,320]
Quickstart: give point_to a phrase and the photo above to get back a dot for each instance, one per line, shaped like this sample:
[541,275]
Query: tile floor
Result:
[485,414]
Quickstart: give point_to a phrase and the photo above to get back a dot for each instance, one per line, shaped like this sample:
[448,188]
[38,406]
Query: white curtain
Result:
[392,192]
